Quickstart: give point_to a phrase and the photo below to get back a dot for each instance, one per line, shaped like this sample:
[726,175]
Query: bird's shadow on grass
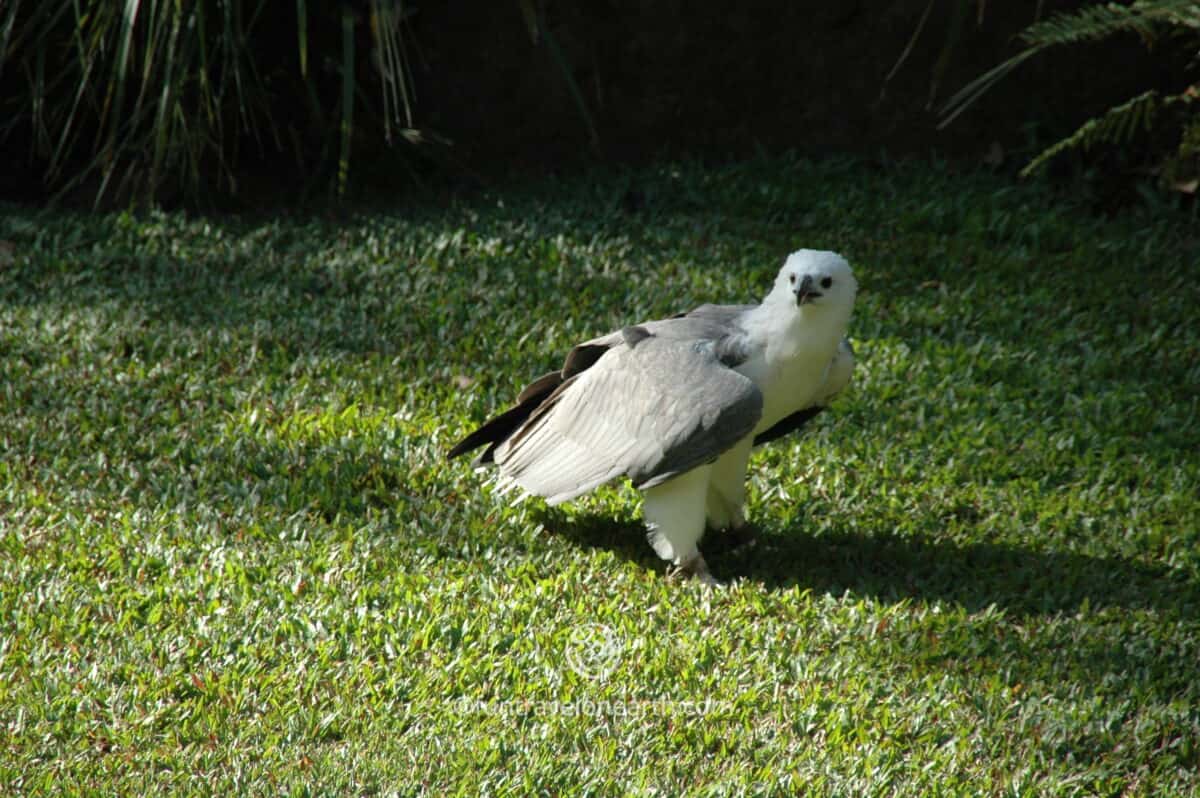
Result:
[1058,599]
[1022,581]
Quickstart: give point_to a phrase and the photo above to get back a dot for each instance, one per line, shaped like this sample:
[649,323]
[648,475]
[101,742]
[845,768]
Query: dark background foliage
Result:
[665,77]
[525,86]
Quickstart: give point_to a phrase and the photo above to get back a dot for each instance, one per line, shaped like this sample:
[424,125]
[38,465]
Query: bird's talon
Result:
[693,568]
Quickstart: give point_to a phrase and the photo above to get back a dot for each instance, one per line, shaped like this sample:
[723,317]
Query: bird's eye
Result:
[826,282]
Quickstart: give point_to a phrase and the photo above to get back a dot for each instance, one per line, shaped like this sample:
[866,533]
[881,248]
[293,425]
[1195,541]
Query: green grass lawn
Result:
[233,558]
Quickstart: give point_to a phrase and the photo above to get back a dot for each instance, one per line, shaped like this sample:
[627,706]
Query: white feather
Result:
[674,513]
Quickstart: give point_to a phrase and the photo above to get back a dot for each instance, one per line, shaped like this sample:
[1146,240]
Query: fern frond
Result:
[1148,19]
[1118,125]
[1189,140]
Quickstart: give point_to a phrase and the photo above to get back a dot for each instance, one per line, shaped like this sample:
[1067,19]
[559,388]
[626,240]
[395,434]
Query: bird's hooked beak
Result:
[805,291]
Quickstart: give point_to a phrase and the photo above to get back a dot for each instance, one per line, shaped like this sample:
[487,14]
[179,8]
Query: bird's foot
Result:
[728,540]
[693,567]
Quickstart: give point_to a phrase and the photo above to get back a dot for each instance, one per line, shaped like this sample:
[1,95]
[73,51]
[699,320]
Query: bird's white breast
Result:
[787,383]
[792,351]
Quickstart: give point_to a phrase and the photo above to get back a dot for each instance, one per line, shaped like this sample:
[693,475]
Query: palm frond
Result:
[1118,125]
[1149,19]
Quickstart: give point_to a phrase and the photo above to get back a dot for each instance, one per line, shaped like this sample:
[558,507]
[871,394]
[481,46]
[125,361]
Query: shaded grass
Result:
[233,557]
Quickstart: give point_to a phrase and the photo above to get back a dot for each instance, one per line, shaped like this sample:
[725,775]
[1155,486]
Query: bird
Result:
[676,405]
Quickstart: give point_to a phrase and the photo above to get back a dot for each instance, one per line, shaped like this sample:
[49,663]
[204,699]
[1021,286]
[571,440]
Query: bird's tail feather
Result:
[496,429]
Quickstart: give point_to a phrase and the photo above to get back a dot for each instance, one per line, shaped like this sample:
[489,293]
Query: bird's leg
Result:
[725,501]
[674,513]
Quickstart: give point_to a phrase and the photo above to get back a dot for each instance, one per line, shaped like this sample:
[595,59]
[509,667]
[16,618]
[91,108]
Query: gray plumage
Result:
[665,399]
[648,410]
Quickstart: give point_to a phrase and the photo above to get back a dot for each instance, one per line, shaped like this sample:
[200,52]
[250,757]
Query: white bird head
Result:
[818,280]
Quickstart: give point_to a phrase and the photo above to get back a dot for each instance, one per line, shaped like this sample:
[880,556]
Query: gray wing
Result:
[651,407]
[725,315]
[720,324]
[837,377]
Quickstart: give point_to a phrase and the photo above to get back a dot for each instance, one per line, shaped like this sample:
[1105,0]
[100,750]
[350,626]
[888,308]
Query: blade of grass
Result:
[159,18]
[6,28]
[385,27]
[39,98]
[203,84]
[302,36]
[572,85]
[87,59]
[124,47]
[112,111]
[250,90]
[172,85]
[347,127]
[953,36]
[967,95]
[912,40]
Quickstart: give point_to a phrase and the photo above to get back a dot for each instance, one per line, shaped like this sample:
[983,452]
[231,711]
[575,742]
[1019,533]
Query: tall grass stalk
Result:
[144,98]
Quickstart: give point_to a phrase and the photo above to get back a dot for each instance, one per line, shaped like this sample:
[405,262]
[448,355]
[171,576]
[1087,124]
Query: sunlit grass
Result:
[233,557]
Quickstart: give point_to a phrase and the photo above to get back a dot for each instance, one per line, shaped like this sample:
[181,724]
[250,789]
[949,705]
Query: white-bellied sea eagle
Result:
[677,404]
